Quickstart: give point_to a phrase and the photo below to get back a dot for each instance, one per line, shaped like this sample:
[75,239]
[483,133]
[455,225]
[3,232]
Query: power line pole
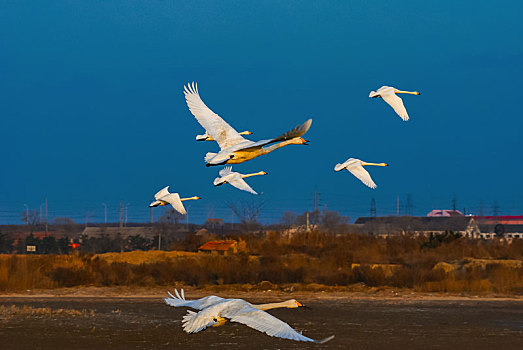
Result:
[152,219]
[397,205]
[454,203]
[373,208]
[105,206]
[121,214]
[46,217]
[26,214]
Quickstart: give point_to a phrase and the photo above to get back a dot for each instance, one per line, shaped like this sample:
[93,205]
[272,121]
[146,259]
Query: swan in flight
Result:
[235,179]
[235,149]
[355,166]
[163,197]
[388,94]
[207,137]
[215,311]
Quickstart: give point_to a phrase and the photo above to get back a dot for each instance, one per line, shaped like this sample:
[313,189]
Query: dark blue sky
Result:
[92,107]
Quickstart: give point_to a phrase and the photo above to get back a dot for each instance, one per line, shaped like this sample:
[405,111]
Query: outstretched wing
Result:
[215,126]
[198,304]
[225,171]
[397,103]
[298,131]
[240,184]
[264,322]
[162,193]
[174,200]
[362,174]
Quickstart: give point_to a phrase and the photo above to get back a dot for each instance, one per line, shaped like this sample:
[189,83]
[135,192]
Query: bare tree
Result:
[247,212]
[31,218]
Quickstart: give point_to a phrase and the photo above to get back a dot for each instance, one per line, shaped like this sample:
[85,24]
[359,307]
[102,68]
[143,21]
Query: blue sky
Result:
[92,108]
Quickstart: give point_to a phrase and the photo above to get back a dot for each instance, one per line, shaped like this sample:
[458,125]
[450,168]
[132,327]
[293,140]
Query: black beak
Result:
[305,307]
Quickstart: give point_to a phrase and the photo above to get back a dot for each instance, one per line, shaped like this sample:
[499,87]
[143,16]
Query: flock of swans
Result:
[234,149]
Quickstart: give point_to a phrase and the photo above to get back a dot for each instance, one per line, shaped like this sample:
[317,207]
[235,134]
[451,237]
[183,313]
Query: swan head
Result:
[293,304]
[245,133]
[301,141]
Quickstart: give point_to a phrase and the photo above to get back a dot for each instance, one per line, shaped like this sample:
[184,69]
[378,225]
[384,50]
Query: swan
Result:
[355,166]
[235,179]
[235,149]
[215,311]
[163,197]
[388,94]
[207,137]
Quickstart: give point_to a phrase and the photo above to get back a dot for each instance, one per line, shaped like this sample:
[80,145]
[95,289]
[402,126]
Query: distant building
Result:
[401,225]
[220,247]
[500,226]
[122,232]
[444,213]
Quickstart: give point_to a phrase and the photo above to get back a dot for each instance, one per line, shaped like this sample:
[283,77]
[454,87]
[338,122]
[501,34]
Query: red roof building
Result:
[219,247]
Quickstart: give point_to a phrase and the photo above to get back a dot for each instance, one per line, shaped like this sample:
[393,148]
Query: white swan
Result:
[235,179]
[388,94]
[207,137]
[234,148]
[215,311]
[355,166]
[163,197]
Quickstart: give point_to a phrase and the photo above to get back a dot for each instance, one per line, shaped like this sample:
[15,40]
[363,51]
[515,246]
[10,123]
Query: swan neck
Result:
[253,174]
[270,306]
[406,92]
[375,164]
[278,145]
[189,198]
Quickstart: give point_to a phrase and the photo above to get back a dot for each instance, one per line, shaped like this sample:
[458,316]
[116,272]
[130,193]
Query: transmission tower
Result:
[495,209]
[454,203]
[373,207]
[316,200]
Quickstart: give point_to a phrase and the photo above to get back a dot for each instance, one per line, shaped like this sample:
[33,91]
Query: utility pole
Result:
[126,211]
[232,219]
[307,222]
[152,219]
[454,203]
[105,206]
[121,214]
[46,217]
[373,208]
[397,205]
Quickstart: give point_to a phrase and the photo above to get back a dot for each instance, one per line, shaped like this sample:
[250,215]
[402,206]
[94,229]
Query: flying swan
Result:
[355,166]
[235,179]
[163,197]
[215,311]
[235,149]
[388,94]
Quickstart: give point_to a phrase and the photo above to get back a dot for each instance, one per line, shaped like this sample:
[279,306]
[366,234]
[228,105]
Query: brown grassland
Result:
[313,261]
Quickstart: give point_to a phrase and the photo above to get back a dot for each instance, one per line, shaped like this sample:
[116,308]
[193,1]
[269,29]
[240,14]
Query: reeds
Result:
[457,266]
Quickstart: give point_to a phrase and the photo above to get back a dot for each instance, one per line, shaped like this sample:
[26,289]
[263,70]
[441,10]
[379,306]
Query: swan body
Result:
[164,197]
[207,137]
[215,311]
[355,167]
[388,94]
[235,179]
[234,148]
